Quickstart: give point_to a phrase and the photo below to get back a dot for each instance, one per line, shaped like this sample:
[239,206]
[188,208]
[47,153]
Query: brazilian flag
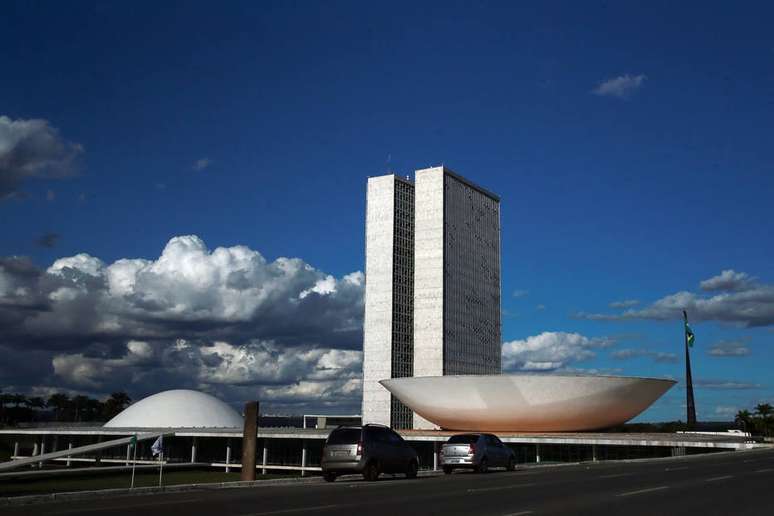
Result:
[689,338]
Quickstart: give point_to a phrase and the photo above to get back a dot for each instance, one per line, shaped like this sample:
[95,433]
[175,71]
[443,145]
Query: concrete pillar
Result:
[435,456]
[537,454]
[228,455]
[35,449]
[265,456]
[98,458]
[42,450]
[128,454]
[194,442]
[70,447]
[249,440]
[303,457]
[594,453]
[16,449]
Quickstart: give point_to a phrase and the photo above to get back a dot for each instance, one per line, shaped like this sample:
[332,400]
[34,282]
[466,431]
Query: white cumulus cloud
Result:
[622,87]
[550,351]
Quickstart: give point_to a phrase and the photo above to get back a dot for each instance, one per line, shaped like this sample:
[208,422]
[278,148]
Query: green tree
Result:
[36,403]
[764,411]
[18,399]
[117,402]
[80,404]
[61,404]
[745,420]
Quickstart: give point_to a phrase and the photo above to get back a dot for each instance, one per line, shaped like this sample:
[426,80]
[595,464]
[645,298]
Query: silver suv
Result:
[368,449]
[476,451]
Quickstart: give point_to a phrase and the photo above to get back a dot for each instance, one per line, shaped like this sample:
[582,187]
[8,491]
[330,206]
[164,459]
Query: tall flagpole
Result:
[690,405]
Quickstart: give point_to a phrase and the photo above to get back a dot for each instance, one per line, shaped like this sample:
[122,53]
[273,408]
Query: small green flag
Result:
[689,338]
[133,441]
[689,335]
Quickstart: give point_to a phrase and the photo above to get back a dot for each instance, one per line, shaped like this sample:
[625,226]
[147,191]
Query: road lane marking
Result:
[676,469]
[133,505]
[642,491]
[483,489]
[766,470]
[287,511]
[715,479]
[522,513]
[617,475]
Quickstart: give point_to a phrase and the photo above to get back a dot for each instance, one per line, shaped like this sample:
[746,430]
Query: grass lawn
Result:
[19,487]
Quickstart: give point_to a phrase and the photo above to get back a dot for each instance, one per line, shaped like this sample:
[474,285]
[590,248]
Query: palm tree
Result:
[765,410]
[744,418]
[4,398]
[117,402]
[36,402]
[79,403]
[60,403]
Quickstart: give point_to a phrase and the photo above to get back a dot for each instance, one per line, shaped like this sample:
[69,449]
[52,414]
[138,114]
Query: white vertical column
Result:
[228,455]
[303,457]
[435,456]
[537,453]
[428,277]
[377,323]
[70,447]
[42,450]
[16,449]
[265,456]
[193,449]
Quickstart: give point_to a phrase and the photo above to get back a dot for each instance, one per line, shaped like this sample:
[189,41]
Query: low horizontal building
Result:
[300,449]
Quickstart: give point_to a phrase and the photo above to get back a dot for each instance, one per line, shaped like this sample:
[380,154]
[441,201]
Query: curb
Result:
[180,488]
[139,491]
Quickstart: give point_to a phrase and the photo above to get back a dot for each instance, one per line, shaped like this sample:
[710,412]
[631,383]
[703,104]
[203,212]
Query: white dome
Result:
[178,408]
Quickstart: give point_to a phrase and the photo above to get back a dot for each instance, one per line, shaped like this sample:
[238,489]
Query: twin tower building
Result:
[432,299]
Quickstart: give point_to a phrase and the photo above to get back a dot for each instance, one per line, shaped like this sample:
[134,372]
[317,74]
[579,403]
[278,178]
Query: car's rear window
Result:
[463,439]
[344,436]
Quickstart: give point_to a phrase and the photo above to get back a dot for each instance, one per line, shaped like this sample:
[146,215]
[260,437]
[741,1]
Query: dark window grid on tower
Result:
[402,364]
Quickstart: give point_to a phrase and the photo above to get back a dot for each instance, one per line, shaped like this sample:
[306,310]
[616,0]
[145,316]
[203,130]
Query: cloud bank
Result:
[736,298]
[550,351]
[657,356]
[227,321]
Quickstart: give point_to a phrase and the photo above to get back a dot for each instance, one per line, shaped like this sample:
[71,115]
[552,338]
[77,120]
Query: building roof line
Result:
[465,181]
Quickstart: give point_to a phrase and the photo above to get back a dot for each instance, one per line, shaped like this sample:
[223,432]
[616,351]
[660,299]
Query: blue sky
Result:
[631,145]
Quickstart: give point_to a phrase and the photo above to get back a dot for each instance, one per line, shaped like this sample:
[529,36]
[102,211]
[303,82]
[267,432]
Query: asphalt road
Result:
[729,483]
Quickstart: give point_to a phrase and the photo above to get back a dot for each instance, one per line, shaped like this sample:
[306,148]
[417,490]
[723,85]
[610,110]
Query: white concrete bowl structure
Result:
[178,408]
[527,402]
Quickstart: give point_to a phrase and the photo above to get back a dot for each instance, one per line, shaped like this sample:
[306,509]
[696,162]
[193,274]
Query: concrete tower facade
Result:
[456,278]
[389,297]
[432,299]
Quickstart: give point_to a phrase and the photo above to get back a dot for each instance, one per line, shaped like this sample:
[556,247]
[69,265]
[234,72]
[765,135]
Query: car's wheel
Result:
[411,471]
[483,466]
[511,464]
[371,471]
[329,476]
[447,470]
